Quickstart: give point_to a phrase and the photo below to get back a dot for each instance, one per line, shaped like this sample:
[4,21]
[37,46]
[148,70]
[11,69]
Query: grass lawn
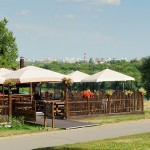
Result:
[132,142]
[120,118]
[25,129]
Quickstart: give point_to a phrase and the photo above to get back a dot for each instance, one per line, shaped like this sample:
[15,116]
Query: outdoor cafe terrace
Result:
[71,104]
[75,105]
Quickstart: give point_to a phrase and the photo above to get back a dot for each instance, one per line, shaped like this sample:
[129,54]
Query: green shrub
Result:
[16,122]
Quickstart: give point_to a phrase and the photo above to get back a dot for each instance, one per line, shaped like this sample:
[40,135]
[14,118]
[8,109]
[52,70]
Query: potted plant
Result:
[87,94]
[109,92]
[142,91]
[67,82]
[10,82]
[130,92]
[126,92]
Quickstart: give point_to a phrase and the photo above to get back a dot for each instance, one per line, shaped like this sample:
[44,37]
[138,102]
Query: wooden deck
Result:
[61,123]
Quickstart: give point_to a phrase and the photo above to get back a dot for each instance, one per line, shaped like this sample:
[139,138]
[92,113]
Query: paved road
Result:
[29,142]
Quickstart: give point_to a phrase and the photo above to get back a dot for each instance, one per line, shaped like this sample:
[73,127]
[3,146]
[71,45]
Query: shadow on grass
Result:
[58,148]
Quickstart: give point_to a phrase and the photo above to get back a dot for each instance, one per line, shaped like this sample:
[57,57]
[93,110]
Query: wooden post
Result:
[142,103]
[66,100]
[45,114]
[31,93]
[135,103]
[34,108]
[88,105]
[10,103]
[129,103]
[52,108]
[109,107]
[3,101]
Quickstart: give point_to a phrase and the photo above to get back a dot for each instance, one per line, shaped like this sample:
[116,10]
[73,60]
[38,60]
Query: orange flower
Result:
[87,94]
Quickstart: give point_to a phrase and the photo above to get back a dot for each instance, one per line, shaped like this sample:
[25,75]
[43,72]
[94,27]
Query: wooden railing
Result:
[17,105]
[118,103]
[23,105]
[4,108]
[51,109]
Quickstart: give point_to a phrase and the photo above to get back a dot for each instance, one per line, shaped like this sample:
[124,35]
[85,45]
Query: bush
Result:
[16,122]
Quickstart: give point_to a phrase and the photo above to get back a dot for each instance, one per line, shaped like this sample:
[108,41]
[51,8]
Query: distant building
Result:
[76,60]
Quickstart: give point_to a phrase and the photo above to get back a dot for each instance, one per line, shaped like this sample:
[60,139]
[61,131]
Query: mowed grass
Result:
[26,129]
[120,118]
[132,142]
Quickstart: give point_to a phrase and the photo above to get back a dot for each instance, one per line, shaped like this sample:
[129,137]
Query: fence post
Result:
[88,105]
[66,100]
[109,107]
[142,103]
[45,114]
[34,108]
[130,99]
[52,108]
[10,104]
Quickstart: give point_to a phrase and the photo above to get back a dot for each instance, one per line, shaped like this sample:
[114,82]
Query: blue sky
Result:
[70,28]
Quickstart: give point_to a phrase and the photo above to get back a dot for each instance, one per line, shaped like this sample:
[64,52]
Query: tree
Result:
[145,70]
[8,47]
[91,61]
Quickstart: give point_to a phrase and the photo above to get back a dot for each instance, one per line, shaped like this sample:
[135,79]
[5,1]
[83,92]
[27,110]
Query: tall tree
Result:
[145,70]
[8,46]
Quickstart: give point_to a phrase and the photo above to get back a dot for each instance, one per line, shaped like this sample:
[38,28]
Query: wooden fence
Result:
[23,106]
[73,106]
[118,103]
[4,108]
[17,105]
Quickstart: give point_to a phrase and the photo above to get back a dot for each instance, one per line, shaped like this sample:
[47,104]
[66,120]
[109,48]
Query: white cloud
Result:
[23,13]
[70,17]
[94,2]
[109,2]
[67,16]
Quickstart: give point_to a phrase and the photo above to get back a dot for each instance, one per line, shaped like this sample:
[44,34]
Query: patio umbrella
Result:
[2,79]
[108,75]
[3,71]
[34,74]
[77,76]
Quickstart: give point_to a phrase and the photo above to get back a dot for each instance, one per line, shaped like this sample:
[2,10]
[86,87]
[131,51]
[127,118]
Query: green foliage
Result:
[145,70]
[10,82]
[16,122]
[24,90]
[8,47]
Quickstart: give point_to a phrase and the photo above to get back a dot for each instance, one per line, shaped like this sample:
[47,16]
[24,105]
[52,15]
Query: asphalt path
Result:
[53,138]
